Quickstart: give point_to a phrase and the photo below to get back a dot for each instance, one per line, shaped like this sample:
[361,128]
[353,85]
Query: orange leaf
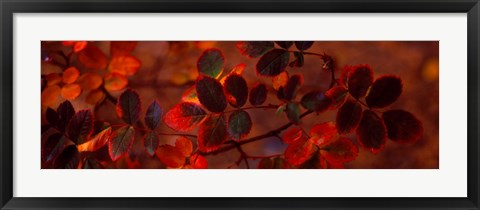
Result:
[198,162]
[115,81]
[238,69]
[280,80]
[184,145]
[68,43]
[92,57]
[170,156]
[53,79]
[124,65]
[70,75]
[118,48]
[190,95]
[71,91]
[299,151]
[50,95]
[322,133]
[96,142]
[203,45]
[79,46]
[90,81]
[94,97]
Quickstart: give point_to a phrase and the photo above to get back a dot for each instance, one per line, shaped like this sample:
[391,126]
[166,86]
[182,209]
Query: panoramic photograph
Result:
[239,104]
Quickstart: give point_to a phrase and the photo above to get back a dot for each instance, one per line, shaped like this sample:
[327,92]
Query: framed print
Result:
[239,105]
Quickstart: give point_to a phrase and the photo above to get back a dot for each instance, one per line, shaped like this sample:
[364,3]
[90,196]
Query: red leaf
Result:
[236,89]
[68,159]
[316,101]
[239,124]
[128,106]
[285,44]
[211,62]
[212,133]
[402,126]
[150,142]
[184,116]
[125,65]
[210,94]
[293,134]
[339,151]
[92,57]
[384,91]
[337,95]
[65,113]
[303,45]
[299,151]
[293,112]
[258,94]
[348,116]
[273,62]
[254,49]
[184,145]
[52,116]
[119,48]
[52,147]
[322,133]
[359,80]
[81,126]
[198,162]
[121,142]
[153,115]
[97,141]
[371,132]
[293,84]
[170,156]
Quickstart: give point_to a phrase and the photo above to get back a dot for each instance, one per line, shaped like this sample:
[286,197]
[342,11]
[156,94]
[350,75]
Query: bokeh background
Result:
[169,68]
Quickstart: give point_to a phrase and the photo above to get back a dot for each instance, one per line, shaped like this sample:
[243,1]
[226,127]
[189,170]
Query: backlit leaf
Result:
[184,145]
[338,95]
[284,44]
[79,46]
[115,81]
[153,115]
[150,142]
[322,133]
[340,150]
[402,126]
[97,141]
[170,156]
[254,49]
[303,45]
[90,81]
[129,106]
[359,80]
[95,97]
[293,134]
[348,116]
[384,91]
[299,151]
[52,147]
[211,63]
[212,133]
[124,65]
[53,79]
[198,162]
[273,63]
[50,95]
[316,101]
[92,57]
[119,48]
[236,89]
[293,84]
[239,124]
[121,141]
[68,159]
[70,75]
[210,94]
[371,132]
[293,112]
[81,126]
[280,80]
[65,113]
[258,94]
[71,91]
[184,116]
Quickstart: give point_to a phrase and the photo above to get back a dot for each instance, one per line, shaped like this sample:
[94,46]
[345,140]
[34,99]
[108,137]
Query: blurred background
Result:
[169,68]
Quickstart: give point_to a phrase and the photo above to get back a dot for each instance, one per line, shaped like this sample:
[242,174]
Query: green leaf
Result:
[273,62]
[212,133]
[303,45]
[211,63]
[239,124]
[293,112]
[258,94]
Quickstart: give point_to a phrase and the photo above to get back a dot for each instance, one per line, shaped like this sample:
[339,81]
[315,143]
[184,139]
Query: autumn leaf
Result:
[80,126]
[212,133]
[338,95]
[68,159]
[284,44]
[70,75]
[95,97]
[371,132]
[340,150]
[184,145]
[273,63]
[299,60]
[384,91]
[115,81]
[293,112]
[65,112]
[92,57]
[210,94]
[120,48]
[293,134]
[53,79]
[299,151]
[254,49]
[316,101]
[124,65]
[211,63]
[184,116]
[280,80]
[51,116]
[50,95]
[190,95]
[90,81]
[348,116]
[71,91]
[129,106]
[293,84]
[170,156]
[322,133]
[52,147]
[121,141]
[236,90]
[150,142]
[258,94]
[153,115]
[198,162]
[97,141]
[402,126]
[239,124]
[265,163]
[303,45]
[359,80]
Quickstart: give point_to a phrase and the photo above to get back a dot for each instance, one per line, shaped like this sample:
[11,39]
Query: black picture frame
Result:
[10,7]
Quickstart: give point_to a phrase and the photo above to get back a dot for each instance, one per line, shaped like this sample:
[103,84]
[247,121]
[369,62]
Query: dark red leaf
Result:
[198,162]
[371,132]
[52,116]
[121,48]
[293,112]
[184,116]
[170,156]
[52,147]
[68,159]
[97,141]
[281,94]
[299,151]
[81,126]
[236,90]
[89,163]
[293,134]
[65,113]
[322,133]
[359,80]
[284,44]
[151,142]
[316,101]
[402,126]
[273,62]
[293,84]
[211,62]
[348,116]
[384,91]
[153,115]
[184,145]
[92,57]
[258,94]
[239,124]
[129,106]
[212,133]
[340,151]
[210,94]
[303,45]
[265,163]
[121,142]
[254,49]
[338,95]
[299,60]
